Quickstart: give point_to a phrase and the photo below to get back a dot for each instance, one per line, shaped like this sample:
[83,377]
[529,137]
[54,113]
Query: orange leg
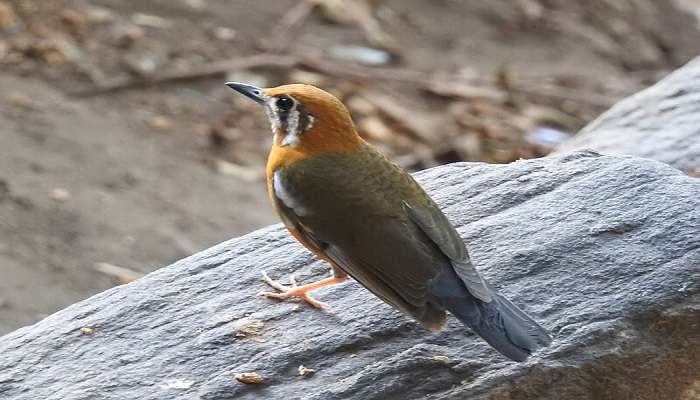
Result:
[286,292]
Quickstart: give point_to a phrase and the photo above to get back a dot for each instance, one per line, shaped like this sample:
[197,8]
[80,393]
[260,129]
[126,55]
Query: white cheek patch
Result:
[293,132]
[275,124]
[293,122]
[291,139]
[292,135]
[286,197]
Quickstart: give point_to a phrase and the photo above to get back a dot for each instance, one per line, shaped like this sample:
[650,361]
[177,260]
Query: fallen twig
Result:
[356,72]
[575,95]
[123,275]
[422,126]
[196,72]
[286,29]
[361,14]
[467,91]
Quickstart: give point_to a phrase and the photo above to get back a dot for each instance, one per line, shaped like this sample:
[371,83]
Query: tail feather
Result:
[499,322]
[507,328]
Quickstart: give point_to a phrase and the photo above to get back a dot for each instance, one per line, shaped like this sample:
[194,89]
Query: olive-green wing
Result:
[438,228]
[401,284]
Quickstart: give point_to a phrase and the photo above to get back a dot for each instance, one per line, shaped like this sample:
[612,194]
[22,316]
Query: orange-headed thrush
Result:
[368,218]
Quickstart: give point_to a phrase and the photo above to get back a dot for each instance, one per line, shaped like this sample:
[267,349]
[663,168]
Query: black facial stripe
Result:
[305,118]
[283,115]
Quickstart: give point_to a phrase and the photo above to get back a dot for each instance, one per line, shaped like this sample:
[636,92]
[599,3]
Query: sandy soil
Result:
[142,177]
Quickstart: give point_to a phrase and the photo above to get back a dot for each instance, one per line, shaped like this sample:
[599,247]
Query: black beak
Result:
[252,92]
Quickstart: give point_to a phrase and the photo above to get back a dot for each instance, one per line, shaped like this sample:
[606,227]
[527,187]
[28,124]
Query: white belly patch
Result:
[284,195]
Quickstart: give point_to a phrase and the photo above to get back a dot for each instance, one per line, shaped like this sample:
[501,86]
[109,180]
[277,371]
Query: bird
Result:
[369,219]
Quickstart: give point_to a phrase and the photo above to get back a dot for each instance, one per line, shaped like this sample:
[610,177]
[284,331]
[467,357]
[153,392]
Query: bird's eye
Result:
[285,103]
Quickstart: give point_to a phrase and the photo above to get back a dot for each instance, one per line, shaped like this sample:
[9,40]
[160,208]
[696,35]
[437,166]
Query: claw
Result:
[273,282]
[302,292]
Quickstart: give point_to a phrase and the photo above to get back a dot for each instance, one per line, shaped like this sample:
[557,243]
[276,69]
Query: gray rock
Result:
[603,250]
[661,123]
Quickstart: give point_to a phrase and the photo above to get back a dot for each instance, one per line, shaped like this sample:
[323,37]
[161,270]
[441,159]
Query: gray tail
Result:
[507,328]
[499,322]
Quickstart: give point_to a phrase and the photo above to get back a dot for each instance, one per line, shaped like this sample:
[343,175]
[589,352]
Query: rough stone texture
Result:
[661,122]
[603,250]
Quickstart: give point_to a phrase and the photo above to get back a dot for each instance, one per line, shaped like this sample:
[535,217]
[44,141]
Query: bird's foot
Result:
[294,290]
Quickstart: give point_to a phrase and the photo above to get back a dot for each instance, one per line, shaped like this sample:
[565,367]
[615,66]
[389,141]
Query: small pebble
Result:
[20,100]
[177,384]
[59,194]
[159,122]
[151,21]
[303,371]
[8,17]
[360,54]
[224,33]
[195,4]
[86,330]
[99,15]
[74,18]
[126,35]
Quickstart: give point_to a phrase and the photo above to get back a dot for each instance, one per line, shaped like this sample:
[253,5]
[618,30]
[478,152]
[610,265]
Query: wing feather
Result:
[436,226]
[399,285]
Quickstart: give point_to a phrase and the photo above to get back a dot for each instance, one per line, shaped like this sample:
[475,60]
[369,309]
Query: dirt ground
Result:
[121,150]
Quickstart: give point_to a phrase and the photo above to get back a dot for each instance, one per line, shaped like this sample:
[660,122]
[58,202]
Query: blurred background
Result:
[122,151]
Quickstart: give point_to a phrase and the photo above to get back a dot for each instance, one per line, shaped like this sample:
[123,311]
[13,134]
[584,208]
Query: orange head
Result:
[305,120]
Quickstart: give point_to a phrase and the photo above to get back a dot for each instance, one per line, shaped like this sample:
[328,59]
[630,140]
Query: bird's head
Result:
[304,117]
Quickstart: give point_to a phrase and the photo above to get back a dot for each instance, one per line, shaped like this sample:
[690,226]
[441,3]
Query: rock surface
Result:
[603,250]
[661,122]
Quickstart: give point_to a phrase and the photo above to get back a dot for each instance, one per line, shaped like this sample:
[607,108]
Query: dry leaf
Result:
[249,377]
[359,104]
[252,331]
[374,129]
[311,78]
[74,18]
[20,100]
[545,115]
